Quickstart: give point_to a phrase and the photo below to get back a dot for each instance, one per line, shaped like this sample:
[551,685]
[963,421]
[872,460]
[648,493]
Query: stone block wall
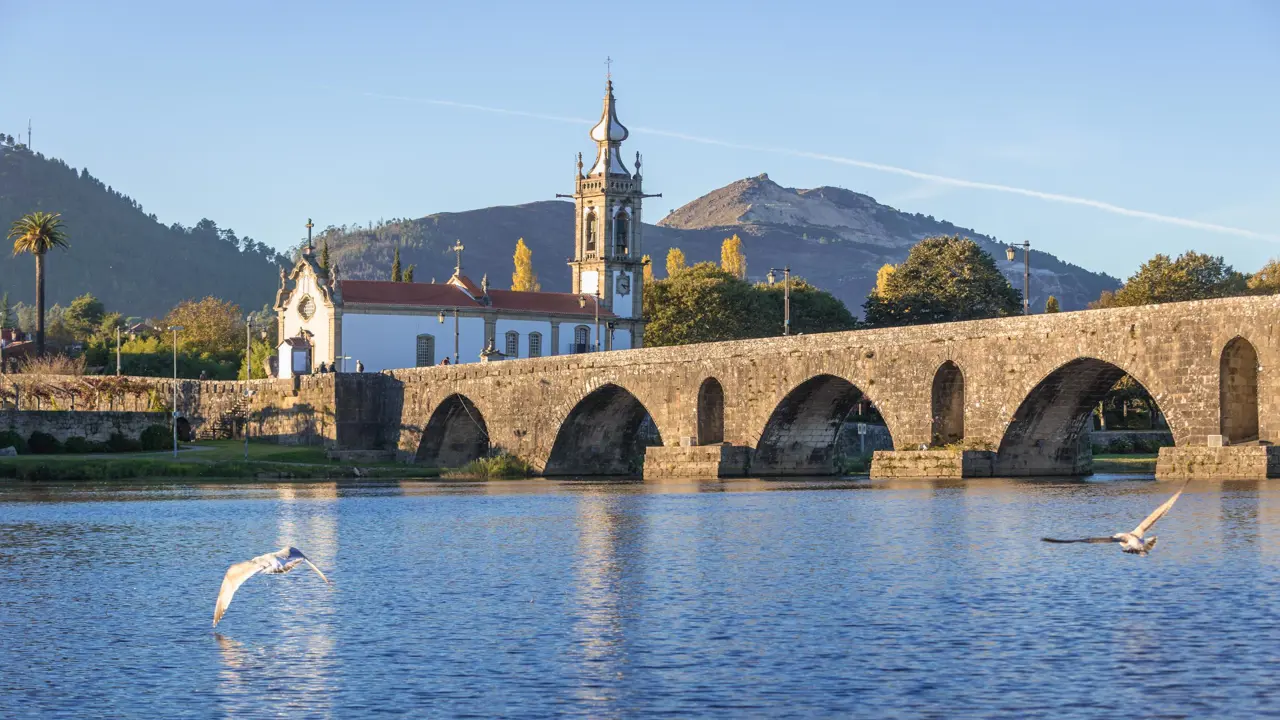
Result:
[1239,462]
[932,464]
[88,424]
[695,461]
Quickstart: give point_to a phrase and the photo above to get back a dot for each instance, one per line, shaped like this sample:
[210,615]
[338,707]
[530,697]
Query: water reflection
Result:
[598,589]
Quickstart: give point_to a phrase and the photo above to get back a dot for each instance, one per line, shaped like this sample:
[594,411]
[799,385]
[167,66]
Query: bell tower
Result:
[608,237]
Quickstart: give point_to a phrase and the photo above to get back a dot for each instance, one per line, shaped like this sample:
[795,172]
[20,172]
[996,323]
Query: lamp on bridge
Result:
[786,296]
[455,325]
[1011,253]
[175,329]
[582,303]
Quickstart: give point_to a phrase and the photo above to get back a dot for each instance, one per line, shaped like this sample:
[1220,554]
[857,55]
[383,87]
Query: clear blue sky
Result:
[260,114]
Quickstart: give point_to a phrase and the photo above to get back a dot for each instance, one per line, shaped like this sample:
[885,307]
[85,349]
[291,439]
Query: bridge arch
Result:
[710,412]
[1238,392]
[604,434]
[1046,435]
[455,435]
[947,405]
[800,435]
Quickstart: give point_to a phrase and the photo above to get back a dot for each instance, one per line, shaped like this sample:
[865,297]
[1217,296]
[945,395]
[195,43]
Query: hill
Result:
[835,238]
[125,257]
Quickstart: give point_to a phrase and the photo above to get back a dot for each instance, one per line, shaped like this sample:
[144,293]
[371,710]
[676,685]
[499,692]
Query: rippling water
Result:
[905,599]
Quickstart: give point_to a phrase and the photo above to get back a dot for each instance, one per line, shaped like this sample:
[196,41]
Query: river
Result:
[619,599]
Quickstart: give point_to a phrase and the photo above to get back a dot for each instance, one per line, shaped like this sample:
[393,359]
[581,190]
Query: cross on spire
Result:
[608,68]
[457,249]
[309,226]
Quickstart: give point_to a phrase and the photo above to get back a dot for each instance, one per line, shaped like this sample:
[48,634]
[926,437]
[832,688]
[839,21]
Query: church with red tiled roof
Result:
[384,325]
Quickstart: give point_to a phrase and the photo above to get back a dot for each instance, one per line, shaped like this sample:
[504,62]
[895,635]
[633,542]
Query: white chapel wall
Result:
[524,327]
[318,324]
[390,342]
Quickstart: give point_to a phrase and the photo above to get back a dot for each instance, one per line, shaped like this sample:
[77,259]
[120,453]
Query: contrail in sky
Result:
[878,167]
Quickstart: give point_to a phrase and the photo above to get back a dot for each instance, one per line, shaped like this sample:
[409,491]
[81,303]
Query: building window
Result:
[621,224]
[591,232]
[513,344]
[535,344]
[581,336]
[426,350]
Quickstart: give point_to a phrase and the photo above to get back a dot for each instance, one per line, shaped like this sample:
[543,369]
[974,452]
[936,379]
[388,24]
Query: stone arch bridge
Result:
[1008,397]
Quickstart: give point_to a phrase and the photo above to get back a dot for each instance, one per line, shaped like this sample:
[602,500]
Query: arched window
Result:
[948,405]
[426,354]
[513,344]
[581,336]
[590,231]
[1238,392]
[710,412]
[535,344]
[621,226]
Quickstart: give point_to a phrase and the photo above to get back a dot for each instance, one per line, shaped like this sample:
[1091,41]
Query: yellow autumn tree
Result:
[523,278]
[732,259]
[648,269]
[675,261]
[882,278]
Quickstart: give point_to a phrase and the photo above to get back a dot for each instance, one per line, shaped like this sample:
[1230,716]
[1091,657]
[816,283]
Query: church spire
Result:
[608,135]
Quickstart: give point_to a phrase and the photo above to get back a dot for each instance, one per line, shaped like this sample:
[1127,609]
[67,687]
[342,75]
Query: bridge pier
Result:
[721,460]
[1235,462]
[938,463]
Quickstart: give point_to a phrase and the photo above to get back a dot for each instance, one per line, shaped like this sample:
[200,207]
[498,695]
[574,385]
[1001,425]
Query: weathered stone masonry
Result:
[1015,393]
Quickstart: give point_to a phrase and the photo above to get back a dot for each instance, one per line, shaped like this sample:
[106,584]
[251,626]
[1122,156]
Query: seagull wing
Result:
[1082,540]
[1158,513]
[294,555]
[235,577]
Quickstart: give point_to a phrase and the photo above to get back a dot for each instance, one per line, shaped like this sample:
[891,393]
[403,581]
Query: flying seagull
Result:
[1133,542]
[276,563]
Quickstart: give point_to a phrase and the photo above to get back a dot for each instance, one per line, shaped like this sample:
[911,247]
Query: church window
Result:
[513,344]
[591,232]
[426,350]
[581,336]
[535,344]
[621,225]
[307,307]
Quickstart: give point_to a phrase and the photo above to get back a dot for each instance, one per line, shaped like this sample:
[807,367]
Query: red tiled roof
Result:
[383,292]
[545,302]
[467,285]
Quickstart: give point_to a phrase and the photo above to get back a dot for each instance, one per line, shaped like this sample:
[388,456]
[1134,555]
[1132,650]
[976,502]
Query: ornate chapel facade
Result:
[387,325]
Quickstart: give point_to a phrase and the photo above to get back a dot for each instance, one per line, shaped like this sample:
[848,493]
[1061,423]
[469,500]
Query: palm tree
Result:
[38,233]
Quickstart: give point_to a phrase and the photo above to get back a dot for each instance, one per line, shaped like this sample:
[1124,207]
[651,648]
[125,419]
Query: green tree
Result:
[324,255]
[38,233]
[943,279]
[675,262]
[6,313]
[812,310]
[732,259]
[524,279]
[706,304]
[1193,276]
[396,274]
[703,304]
[1266,281]
[210,327]
[408,273]
[83,317]
[1051,305]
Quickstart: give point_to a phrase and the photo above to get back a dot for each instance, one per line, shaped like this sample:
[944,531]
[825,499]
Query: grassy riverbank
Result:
[206,459]
[1137,464]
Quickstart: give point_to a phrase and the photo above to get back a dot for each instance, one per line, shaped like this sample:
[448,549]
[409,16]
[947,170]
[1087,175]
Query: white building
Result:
[387,325]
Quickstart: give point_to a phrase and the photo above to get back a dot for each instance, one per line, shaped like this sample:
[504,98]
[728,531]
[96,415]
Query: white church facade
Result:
[385,325]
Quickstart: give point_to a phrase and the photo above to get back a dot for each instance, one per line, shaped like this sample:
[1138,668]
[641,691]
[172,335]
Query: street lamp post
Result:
[175,329]
[248,393]
[582,303]
[455,332]
[344,359]
[1026,272]
[786,296]
[117,350]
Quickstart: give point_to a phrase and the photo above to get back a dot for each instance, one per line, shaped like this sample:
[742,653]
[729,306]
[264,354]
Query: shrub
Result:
[499,465]
[99,446]
[1119,446]
[119,443]
[42,443]
[156,437]
[76,444]
[9,438]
